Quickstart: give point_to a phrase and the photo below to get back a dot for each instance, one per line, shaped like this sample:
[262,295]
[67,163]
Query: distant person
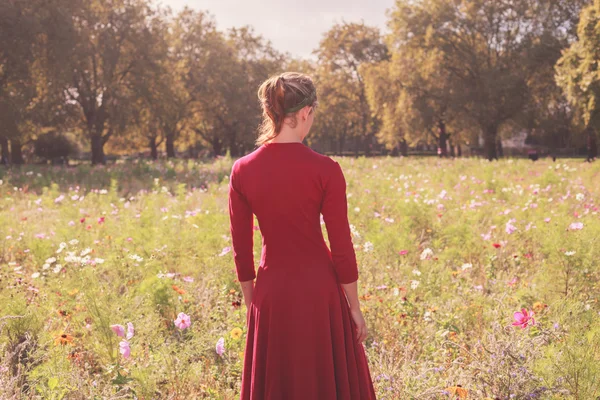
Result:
[305,326]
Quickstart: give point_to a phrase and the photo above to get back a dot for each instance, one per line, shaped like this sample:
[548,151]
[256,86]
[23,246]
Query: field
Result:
[448,252]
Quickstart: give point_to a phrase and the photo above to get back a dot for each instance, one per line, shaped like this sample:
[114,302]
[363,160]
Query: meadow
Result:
[478,279]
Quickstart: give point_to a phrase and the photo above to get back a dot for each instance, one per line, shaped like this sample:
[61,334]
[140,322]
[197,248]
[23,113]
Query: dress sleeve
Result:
[335,214]
[242,230]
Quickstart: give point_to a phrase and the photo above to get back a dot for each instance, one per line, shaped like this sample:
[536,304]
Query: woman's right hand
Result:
[361,325]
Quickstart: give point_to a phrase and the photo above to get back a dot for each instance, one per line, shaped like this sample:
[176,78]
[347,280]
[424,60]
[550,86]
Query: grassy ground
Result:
[448,251]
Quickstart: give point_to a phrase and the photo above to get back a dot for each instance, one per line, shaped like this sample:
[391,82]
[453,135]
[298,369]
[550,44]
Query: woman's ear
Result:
[305,111]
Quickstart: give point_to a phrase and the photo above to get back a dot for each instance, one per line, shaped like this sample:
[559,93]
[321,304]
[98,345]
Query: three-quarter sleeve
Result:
[335,214]
[242,230]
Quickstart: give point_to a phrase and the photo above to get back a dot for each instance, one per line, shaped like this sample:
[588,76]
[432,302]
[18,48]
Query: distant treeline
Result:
[125,76]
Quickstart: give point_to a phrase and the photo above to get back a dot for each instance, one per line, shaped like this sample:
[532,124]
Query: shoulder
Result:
[326,163]
[242,162]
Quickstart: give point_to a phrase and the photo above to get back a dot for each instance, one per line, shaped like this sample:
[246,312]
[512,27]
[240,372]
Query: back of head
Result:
[283,96]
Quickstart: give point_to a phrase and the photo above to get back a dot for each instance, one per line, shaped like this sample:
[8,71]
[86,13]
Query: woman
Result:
[305,327]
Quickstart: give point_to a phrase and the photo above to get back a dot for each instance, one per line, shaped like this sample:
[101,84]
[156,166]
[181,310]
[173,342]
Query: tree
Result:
[486,48]
[343,54]
[578,70]
[105,47]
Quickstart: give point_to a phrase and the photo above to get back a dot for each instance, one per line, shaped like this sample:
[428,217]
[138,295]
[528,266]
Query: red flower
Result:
[497,245]
[82,220]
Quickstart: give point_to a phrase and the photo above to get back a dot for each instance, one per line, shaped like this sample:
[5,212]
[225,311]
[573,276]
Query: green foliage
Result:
[578,70]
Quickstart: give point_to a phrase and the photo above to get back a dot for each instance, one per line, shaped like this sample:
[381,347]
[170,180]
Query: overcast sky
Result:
[295,26]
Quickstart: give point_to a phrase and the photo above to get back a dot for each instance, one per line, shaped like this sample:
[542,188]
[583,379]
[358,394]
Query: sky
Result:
[294,26]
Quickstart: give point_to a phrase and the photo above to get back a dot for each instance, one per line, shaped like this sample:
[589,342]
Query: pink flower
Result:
[188,279]
[124,348]
[220,348]
[101,220]
[182,321]
[403,252]
[523,318]
[130,330]
[576,226]
[510,228]
[225,251]
[546,220]
[118,329]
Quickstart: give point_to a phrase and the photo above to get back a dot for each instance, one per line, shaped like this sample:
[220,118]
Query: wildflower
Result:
[416,272]
[576,226]
[130,330]
[178,289]
[497,245]
[569,253]
[101,220]
[124,348]
[368,246]
[510,228]
[414,284]
[64,339]
[427,254]
[118,329]
[403,252]
[236,333]
[220,348]
[457,390]
[225,251]
[466,266]
[188,279]
[523,318]
[183,321]
[546,220]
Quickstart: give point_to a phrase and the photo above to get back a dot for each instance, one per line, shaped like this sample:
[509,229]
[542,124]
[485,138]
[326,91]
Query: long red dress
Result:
[301,340]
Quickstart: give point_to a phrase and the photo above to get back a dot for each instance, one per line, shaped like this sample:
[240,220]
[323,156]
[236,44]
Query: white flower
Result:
[426,254]
[354,231]
[396,291]
[427,316]
[368,246]
[35,275]
[57,268]
[73,242]
[569,253]
[51,260]
[414,284]
[46,266]
[136,257]
[85,251]
[416,272]
[580,196]
[466,266]
[356,209]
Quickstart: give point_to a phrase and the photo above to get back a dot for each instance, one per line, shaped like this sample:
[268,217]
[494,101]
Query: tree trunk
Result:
[500,148]
[404,148]
[443,139]
[153,148]
[4,152]
[458,150]
[592,145]
[16,152]
[452,148]
[490,144]
[170,143]
[97,144]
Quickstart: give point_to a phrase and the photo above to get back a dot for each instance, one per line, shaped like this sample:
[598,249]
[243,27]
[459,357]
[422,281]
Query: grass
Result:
[448,251]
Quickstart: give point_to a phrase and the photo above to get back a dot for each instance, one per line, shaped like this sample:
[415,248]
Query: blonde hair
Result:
[281,96]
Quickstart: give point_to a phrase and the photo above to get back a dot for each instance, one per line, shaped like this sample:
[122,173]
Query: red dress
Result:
[301,340]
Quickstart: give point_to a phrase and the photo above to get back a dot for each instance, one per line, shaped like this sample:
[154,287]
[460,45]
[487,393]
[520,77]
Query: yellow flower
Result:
[241,355]
[458,391]
[236,333]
